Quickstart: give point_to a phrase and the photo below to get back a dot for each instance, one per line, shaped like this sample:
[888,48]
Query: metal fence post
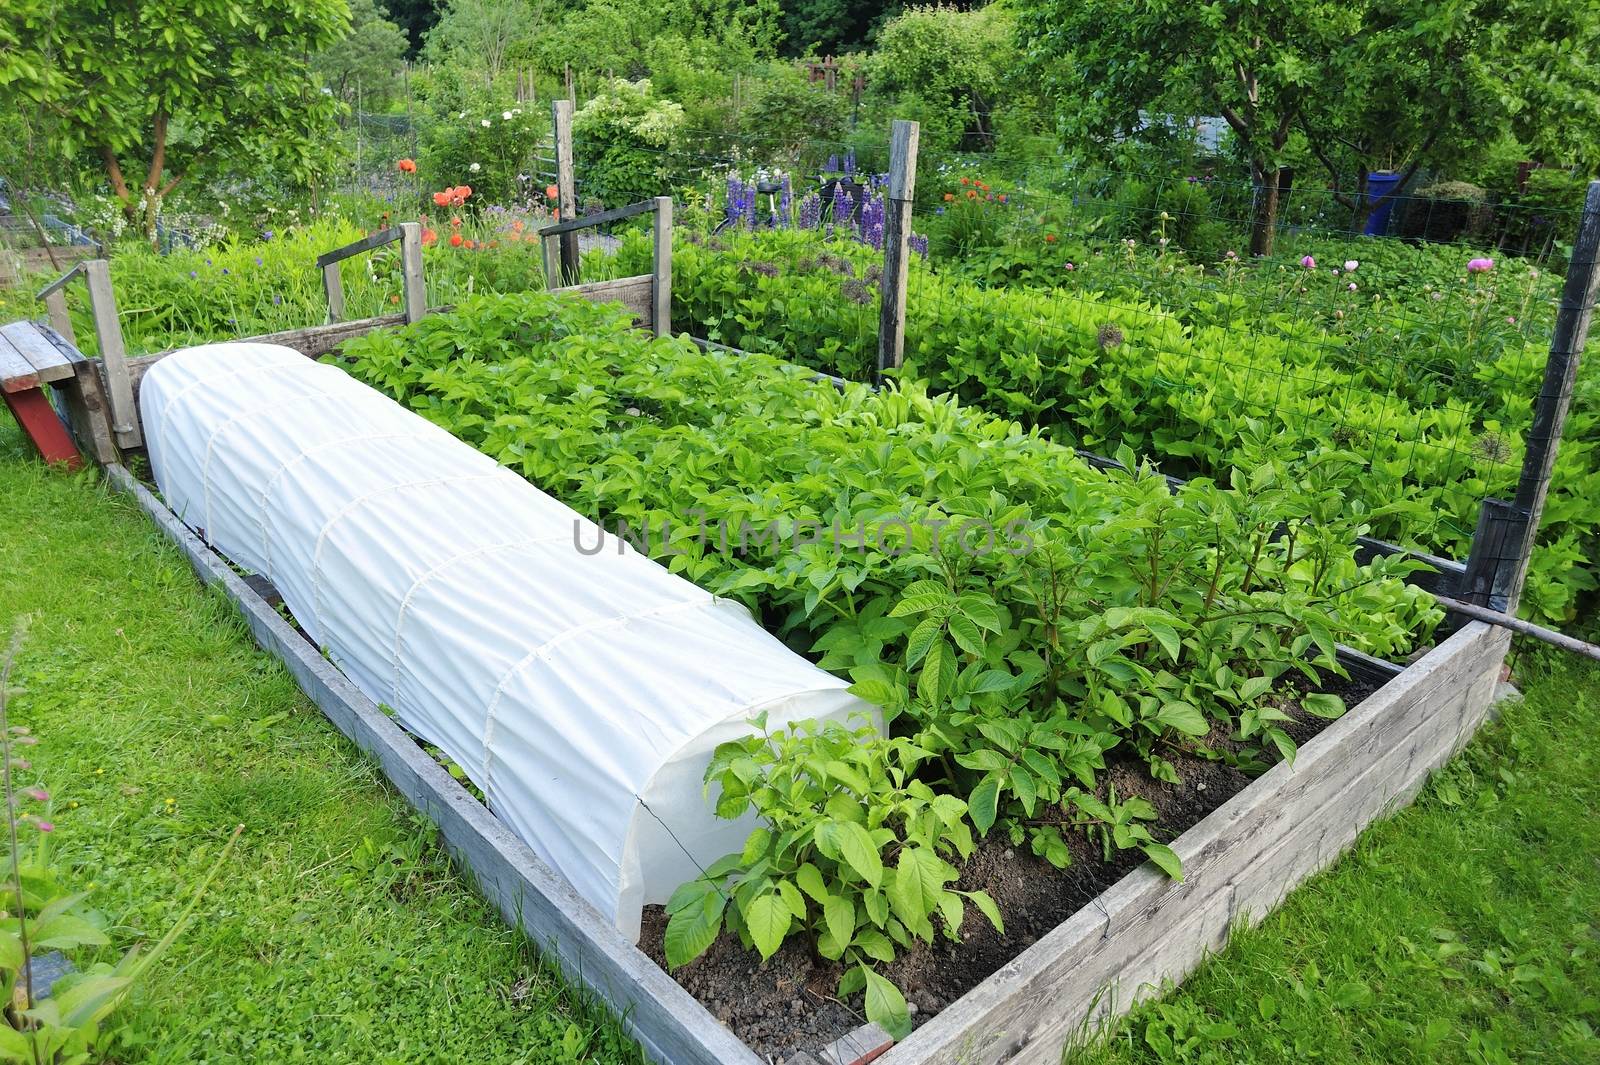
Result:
[896,245]
[1497,567]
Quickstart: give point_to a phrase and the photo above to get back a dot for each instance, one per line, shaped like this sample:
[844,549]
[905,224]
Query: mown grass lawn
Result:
[1462,930]
[337,931]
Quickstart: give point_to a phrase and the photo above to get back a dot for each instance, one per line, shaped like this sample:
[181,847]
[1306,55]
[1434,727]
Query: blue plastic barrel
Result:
[1378,184]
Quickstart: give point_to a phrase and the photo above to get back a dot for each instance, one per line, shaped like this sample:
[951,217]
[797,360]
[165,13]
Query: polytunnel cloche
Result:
[582,692]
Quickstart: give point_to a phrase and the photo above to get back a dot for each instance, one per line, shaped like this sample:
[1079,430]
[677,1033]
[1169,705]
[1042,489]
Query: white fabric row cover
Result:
[582,693]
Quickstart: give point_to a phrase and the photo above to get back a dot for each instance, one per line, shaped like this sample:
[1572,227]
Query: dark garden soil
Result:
[788,1002]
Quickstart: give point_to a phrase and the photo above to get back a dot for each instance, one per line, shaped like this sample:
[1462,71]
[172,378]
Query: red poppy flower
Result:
[551,192]
[472,244]
[556,214]
[455,240]
[1049,238]
[516,225]
[949,196]
[429,236]
[407,166]
[441,199]
[972,194]
[1002,197]
[966,181]
[456,221]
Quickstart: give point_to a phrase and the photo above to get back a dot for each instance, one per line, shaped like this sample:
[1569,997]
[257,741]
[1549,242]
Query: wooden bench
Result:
[30,360]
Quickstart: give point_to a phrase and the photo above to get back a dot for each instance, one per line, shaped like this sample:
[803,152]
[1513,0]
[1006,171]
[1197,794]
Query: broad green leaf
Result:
[768,919]
[987,907]
[886,1006]
[984,803]
[692,929]
[858,850]
[839,914]
[1164,857]
[1185,717]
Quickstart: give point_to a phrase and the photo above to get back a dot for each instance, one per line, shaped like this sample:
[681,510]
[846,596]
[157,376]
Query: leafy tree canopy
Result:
[158,91]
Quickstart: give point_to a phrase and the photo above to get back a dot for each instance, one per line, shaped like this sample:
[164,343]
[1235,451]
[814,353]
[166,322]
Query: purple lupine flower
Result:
[810,212]
[919,244]
[785,203]
[850,163]
[833,163]
[750,205]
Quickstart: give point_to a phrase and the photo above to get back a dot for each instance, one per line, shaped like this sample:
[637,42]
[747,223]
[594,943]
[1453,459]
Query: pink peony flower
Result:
[1309,263]
[1071,267]
[1350,265]
[1352,286]
[1480,266]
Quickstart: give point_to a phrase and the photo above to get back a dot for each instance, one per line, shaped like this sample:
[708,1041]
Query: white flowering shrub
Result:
[625,143]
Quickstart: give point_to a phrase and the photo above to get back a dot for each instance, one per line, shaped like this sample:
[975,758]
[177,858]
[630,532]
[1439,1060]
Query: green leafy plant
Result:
[853,850]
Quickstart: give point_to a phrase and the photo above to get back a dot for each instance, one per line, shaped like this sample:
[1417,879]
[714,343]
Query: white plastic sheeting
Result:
[582,693]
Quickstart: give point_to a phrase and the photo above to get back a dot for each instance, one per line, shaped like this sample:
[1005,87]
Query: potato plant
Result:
[1016,613]
[1424,370]
[855,851]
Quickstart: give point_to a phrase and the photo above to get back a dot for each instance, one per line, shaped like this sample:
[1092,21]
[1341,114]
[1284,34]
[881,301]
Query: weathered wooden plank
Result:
[896,245]
[635,293]
[589,221]
[670,1024]
[367,243]
[333,288]
[16,373]
[661,293]
[55,305]
[312,341]
[113,356]
[88,412]
[1042,997]
[26,262]
[48,360]
[60,283]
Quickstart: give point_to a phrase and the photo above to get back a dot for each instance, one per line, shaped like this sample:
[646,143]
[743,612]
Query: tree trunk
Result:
[1360,210]
[1264,222]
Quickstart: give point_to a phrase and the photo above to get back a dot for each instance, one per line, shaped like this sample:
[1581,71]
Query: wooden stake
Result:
[113,356]
[411,271]
[561,112]
[896,245]
[661,291]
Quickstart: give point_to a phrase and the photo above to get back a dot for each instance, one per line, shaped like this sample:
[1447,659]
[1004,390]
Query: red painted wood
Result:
[38,419]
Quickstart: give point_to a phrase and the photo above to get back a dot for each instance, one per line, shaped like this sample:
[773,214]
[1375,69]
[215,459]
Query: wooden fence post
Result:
[661,289]
[113,356]
[416,290]
[334,288]
[1497,567]
[896,245]
[55,306]
[566,187]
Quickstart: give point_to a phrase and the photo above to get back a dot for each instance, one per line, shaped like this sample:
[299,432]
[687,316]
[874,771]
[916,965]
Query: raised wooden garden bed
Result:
[1143,932]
